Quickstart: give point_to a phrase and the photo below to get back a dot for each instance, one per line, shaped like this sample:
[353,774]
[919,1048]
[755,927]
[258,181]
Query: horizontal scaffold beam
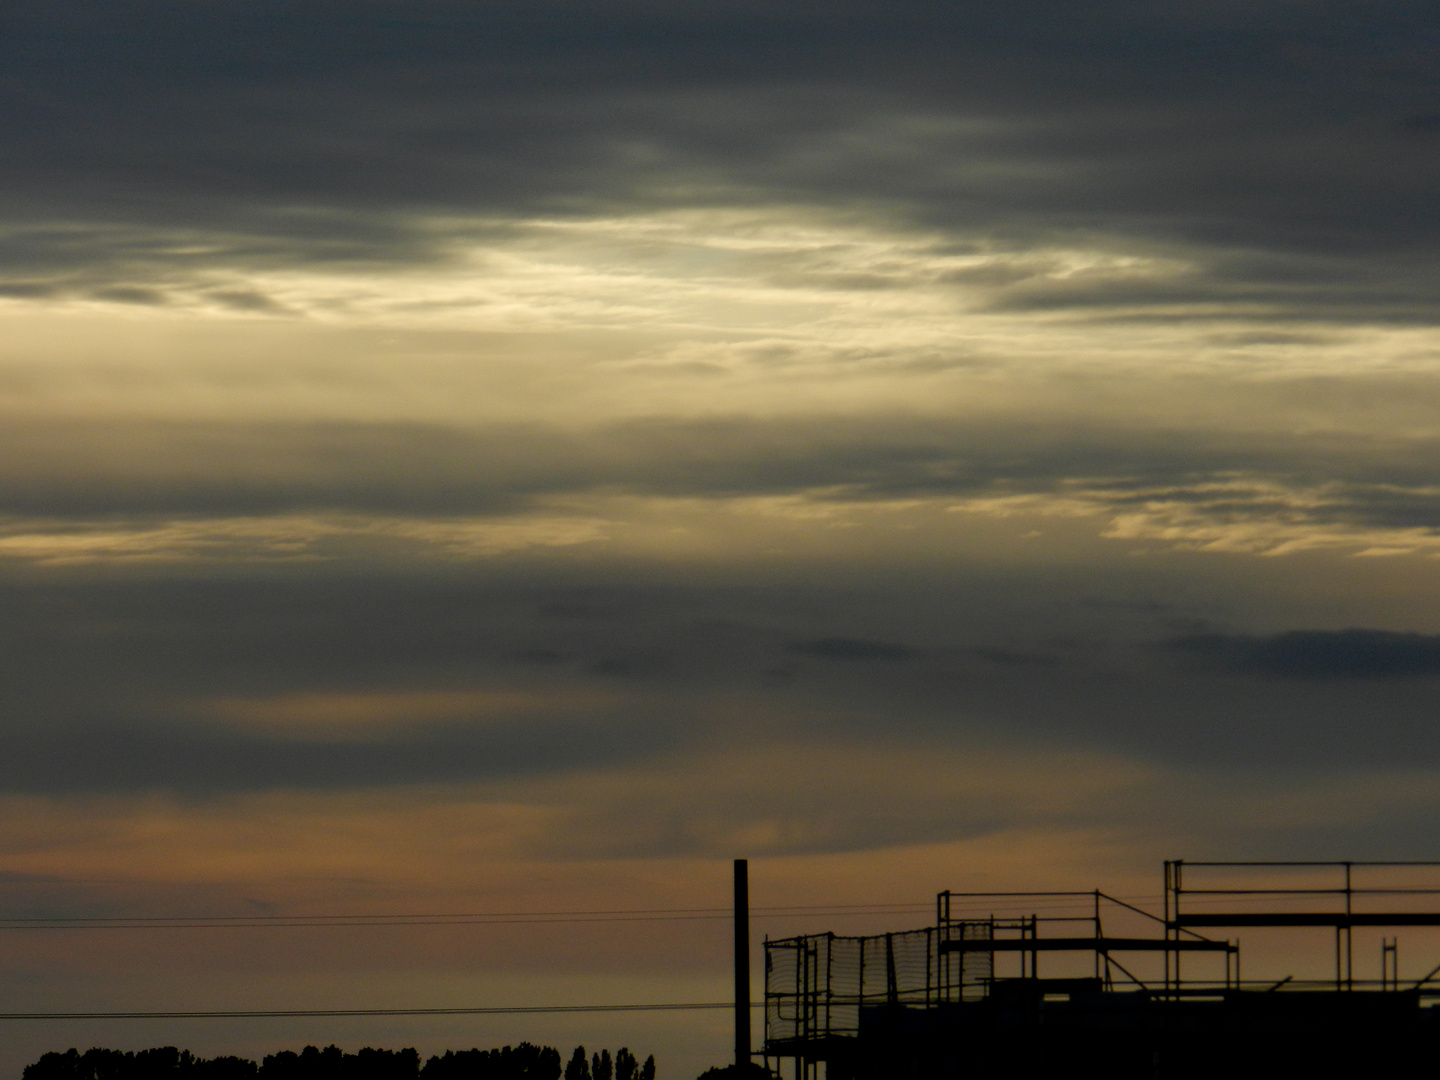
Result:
[1335,919]
[1083,944]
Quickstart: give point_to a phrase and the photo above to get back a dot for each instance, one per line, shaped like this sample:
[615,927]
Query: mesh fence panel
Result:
[816,985]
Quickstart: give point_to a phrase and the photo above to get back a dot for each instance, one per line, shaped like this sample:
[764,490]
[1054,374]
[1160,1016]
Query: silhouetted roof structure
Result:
[965,996]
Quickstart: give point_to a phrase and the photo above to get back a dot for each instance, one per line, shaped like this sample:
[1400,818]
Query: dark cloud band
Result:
[89,471]
[1322,654]
[320,131]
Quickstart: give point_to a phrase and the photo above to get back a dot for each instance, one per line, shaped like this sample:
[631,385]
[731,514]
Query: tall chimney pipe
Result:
[742,964]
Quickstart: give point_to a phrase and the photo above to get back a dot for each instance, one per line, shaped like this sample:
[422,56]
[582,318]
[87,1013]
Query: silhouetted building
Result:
[1087,984]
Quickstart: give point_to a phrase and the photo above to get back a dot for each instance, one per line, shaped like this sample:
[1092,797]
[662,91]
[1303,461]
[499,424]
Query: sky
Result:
[459,456]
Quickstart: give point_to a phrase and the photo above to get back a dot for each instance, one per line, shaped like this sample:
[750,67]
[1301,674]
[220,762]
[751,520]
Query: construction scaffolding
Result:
[816,985]
[1339,897]
[915,998]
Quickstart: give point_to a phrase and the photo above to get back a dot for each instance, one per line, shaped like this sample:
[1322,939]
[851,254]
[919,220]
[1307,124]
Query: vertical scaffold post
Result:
[803,1028]
[1033,933]
[1179,888]
[1098,934]
[1168,929]
[892,984]
[1350,949]
[742,964]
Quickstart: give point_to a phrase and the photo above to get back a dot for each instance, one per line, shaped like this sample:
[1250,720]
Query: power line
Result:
[637,912]
[241,1014]
[803,909]
[976,906]
[180,922]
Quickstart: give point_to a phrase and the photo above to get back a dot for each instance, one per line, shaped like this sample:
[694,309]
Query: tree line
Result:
[524,1062]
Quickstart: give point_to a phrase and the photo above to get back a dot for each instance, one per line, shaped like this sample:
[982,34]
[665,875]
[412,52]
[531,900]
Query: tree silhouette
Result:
[579,1066]
[160,1063]
[523,1062]
[332,1063]
[752,1071]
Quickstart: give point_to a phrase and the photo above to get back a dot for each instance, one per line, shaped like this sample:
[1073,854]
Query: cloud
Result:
[1321,654]
[325,132]
[287,539]
[205,760]
[786,798]
[454,452]
[116,490]
[348,716]
[838,648]
[375,676]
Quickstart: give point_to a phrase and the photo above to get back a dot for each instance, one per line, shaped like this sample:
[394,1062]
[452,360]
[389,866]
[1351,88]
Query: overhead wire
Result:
[977,903]
[241,1014]
[962,905]
[179,922]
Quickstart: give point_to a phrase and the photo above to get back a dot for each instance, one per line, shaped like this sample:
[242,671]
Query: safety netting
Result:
[816,985]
